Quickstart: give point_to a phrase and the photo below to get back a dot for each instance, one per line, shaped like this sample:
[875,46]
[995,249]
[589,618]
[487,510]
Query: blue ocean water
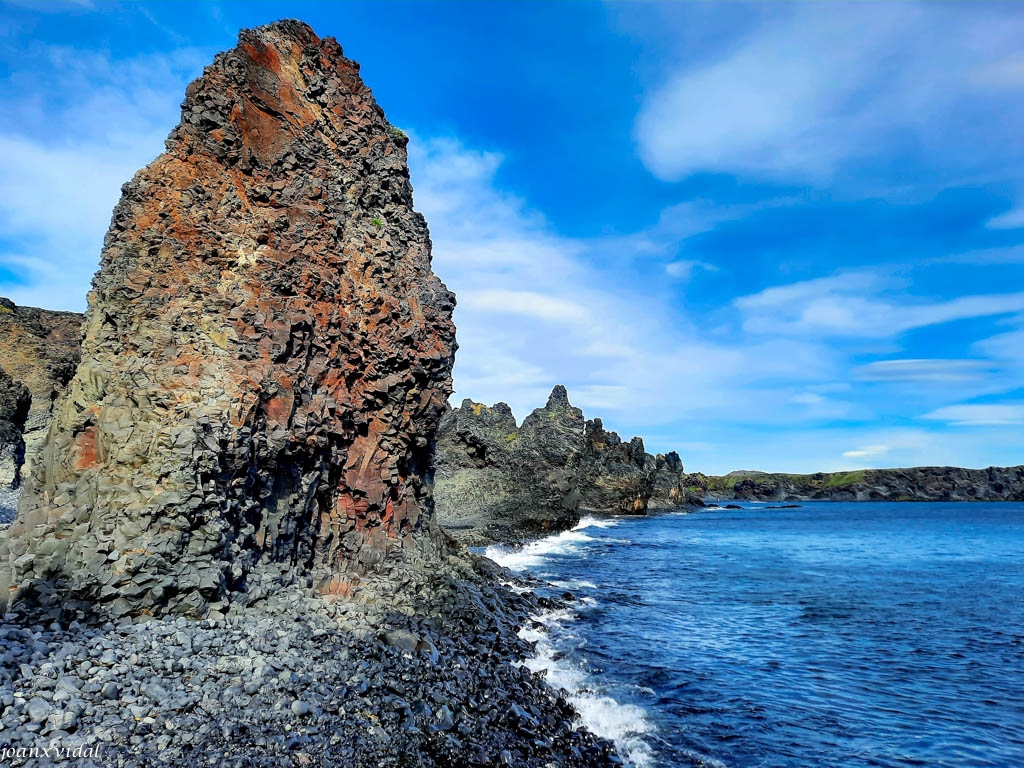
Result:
[835,634]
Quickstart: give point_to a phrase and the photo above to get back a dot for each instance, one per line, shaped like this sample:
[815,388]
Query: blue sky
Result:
[777,236]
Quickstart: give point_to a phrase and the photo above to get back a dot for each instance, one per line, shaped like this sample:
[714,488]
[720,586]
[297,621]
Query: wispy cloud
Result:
[57,188]
[684,268]
[1013,219]
[867,452]
[923,370]
[980,415]
[859,304]
[815,87]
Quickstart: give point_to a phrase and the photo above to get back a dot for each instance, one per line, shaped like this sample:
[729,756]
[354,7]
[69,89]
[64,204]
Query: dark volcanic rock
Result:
[40,349]
[617,477]
[14,407]
[266,356]
[912,484]
[504,481]
[672,486]
[429,677]
[498,482]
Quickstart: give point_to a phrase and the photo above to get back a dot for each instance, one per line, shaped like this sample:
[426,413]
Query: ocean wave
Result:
[533,554]
[624,724]
[595,522]
[573,584]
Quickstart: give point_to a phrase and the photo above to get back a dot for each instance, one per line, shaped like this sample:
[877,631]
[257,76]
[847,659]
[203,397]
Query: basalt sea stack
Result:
[266,357]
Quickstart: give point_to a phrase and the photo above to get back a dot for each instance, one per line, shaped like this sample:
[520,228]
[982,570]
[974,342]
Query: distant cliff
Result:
[497,481]
[912,484]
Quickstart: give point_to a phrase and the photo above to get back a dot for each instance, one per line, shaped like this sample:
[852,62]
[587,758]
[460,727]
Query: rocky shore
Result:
[225,551]
[432,679]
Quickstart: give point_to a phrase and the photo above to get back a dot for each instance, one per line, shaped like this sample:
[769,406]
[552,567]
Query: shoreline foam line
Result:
[624,724]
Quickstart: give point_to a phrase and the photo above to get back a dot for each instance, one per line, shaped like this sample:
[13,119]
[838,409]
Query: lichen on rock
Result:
[263,367]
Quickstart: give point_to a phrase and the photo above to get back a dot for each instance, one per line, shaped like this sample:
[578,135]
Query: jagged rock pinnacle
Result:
[266,356]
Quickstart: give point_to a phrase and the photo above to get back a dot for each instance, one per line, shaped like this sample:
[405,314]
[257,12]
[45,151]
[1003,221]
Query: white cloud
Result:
[57,189]
[1010,220]
[979,415]
[815,87]
[923,370]
[527,303]
[1007,346]
[536,309]
[859,305]
[868,451]
[684,268]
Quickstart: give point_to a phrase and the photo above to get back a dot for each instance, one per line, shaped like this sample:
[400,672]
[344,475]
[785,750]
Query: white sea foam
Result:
[518,589]
[624,724]
[533,554]
[595,522]
[580,584]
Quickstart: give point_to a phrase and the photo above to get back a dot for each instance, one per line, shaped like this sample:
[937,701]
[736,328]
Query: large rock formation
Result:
[496,481]
[39,348]
[617,477]
[912,484]
[266,356]
[14,407]
[503,482]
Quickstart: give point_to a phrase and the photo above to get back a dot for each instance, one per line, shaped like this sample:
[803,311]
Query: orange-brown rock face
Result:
[267,355]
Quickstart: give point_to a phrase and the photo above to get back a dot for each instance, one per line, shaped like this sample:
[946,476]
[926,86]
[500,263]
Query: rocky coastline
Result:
[499,482]
[910,484]
[225,550]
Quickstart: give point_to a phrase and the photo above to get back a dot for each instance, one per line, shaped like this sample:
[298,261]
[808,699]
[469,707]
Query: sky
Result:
[786,237]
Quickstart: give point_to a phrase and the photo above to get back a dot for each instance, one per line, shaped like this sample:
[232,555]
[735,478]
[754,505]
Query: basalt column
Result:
[267,355]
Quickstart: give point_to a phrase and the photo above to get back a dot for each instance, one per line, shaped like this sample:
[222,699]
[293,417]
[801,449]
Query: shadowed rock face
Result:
[39,348]
[266,356]
[618,477]
[14,405]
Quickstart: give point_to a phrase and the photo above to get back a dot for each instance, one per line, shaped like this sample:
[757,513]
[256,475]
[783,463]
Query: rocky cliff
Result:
[266,357]
[40,349]
[497,481]
[912,484]
[503,481]
[14,406]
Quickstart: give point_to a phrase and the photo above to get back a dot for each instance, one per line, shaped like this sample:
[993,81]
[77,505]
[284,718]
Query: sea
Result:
[832,634]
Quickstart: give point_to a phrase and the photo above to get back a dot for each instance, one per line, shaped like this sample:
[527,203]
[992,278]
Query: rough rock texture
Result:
[266,356]
[617,477]
[670,487]
[14,407]
[913,484]
[432,677]
[40,348]
[499,481]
